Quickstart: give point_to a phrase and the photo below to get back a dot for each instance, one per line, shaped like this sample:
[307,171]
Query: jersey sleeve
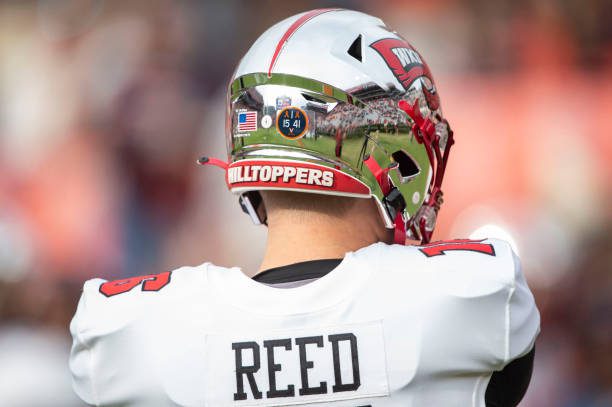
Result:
[119,325]
[521,316]
[102,354]
[81,355]
[475,305]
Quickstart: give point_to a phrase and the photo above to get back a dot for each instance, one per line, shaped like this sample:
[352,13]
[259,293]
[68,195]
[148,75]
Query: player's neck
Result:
[295,237]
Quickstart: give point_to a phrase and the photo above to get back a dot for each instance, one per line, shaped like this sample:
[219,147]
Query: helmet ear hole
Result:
[355,49]
[407,167]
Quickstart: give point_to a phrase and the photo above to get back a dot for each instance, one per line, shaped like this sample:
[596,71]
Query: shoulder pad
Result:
[461,267]
[480,283]
[110,305]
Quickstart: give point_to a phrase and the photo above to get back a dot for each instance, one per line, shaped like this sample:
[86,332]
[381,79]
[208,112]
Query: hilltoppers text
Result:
[280,174]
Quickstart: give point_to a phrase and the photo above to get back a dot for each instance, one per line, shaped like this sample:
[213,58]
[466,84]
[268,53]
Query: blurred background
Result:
[106,105]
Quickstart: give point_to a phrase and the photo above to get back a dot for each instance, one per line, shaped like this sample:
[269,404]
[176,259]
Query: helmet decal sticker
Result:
[266,121]
[278,174]
[247,121]
[282,102]
[292,122]
[407,65]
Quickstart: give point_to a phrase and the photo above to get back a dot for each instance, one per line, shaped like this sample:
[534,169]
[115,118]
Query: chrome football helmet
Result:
[331,101]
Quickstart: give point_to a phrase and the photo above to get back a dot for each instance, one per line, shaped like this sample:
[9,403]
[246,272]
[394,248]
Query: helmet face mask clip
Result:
[252,204]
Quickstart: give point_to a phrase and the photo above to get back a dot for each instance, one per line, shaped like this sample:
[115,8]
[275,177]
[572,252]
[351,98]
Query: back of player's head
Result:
[331,205]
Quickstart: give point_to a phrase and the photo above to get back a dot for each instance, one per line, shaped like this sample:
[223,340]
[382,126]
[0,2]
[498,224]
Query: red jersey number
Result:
[440,248]
[151,282]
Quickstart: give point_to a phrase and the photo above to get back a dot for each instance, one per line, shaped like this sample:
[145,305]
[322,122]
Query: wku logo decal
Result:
[407,65]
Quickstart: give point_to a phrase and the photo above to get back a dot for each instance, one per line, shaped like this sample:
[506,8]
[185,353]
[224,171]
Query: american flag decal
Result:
[247,121]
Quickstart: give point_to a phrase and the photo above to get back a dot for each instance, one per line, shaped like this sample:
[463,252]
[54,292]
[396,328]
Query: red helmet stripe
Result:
[292,29]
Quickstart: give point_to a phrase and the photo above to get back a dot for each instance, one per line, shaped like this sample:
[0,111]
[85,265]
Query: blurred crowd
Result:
[105,107]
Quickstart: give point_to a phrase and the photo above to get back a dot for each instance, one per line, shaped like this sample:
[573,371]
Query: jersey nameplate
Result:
[297,366]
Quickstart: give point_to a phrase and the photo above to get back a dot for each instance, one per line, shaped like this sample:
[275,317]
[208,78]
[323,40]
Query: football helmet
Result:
[332,101]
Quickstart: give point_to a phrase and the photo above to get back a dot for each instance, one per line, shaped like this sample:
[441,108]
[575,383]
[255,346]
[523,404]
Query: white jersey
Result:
[390,326]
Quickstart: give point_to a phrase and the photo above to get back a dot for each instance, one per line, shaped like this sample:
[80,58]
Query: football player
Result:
[337,315]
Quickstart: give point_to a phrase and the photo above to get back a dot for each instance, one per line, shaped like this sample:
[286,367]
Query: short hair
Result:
[331,205]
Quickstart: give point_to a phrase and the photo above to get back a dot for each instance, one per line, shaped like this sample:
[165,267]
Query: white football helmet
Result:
[332,101]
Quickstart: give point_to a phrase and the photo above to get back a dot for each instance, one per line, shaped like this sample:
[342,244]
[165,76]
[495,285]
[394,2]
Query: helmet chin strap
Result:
[393,200]
[437,140]
[399,233]
[213,161]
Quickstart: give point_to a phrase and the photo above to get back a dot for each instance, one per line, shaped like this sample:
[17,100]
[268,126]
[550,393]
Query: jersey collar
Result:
[236,288]
[301,271]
